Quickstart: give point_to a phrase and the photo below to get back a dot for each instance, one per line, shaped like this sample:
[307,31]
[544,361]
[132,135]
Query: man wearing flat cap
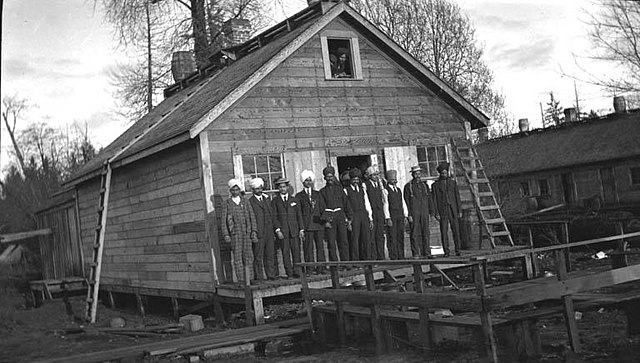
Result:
[397,213]
[309,199]
[446,198]
[240,230]
[288,226]
[361,219]
[420,207]
[380,210]
[335,212]
[264,249]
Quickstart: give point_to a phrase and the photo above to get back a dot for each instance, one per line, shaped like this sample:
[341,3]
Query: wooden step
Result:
[500,234]
[489,207]
[478,181]
[494,221]
[485,194]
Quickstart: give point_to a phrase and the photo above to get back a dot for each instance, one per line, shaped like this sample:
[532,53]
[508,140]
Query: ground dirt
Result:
[52,330]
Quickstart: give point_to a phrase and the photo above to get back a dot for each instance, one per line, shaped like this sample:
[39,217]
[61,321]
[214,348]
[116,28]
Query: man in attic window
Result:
[340,64]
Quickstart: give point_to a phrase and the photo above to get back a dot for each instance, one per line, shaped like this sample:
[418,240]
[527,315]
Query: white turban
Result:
[233,182]
[372,170]
[306,174]
[257,183]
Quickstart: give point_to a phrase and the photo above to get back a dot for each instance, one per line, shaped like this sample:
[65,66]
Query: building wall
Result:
[297,113]
[155,236]
[588,185]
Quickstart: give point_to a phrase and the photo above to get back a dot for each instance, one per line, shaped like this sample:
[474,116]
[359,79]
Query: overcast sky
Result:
[58,53]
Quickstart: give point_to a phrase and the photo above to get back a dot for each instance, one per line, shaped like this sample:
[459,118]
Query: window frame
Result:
[540,191]
[354,45]
[447,158]
[633,185]
[528,191]
[238,165]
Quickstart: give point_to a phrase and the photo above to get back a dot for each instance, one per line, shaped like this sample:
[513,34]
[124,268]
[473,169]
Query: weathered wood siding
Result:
[295,109]
[155,236]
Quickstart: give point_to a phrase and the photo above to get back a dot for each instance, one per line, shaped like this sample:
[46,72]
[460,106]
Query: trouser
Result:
[263,258]
[377,237]
[242,256]
[337,238]
[395,237]
[420,235]
[449,216]
[291,247]
[359,235]
[313,239]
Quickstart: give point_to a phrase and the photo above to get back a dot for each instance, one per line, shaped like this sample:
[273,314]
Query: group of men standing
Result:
[352,215]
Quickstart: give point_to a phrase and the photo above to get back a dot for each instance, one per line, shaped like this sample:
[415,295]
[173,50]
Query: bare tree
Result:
[13,110]
[615,34]
[439,35]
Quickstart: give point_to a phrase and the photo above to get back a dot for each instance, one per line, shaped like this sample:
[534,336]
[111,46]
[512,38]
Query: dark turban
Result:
[443,166]
[328,170]
[355,173]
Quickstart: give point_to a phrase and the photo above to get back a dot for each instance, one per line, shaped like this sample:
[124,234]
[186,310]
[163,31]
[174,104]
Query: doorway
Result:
[346,163]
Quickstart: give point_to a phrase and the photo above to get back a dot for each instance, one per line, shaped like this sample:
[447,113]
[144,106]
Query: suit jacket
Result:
[288,217]
[264,215]
[310,209]
[445,194]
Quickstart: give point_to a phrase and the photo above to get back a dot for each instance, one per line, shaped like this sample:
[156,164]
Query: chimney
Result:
[523,124]
[183,64]
[236,31]
[619,104]
[570,115]
[483,134]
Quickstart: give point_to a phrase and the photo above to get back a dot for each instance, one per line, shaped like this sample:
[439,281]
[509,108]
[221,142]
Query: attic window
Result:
[525,191]
[341,55]
[635,176]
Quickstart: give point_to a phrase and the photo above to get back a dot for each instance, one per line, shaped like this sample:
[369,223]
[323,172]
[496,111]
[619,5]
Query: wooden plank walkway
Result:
[193,344]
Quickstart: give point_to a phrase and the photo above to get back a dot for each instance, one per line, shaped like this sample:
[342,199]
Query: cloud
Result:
[523,56]
[57,70]
[500,22]
[15,68]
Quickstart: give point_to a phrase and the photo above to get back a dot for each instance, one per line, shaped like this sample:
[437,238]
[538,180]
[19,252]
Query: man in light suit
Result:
[264,248]
[288,226]
[446,198]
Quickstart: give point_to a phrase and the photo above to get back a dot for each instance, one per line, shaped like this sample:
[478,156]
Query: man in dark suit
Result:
[397,213]
[377,200]
[335,211]
[420,207]
[361,219]
[264,250]
[309,199]
[288,226]
[446,198]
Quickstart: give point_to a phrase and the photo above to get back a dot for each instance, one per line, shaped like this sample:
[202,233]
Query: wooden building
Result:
[586,166]
[270,107]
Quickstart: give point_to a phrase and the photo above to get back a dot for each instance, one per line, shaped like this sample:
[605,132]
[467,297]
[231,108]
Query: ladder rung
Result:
[489,207]
[494,221]
[478,181]
[485,194]
[468,158]
[93,264]
[89,299]
[477,168]
[500,233]
[91,282]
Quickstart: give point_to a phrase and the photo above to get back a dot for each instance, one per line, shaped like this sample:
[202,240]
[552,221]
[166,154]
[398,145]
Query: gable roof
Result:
[186,113]
[570,144]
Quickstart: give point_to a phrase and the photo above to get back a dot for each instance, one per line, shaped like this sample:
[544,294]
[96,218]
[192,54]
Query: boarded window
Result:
[341,55]
[524,189]
[543,187]
[268,167]
[635,176]
[429,157]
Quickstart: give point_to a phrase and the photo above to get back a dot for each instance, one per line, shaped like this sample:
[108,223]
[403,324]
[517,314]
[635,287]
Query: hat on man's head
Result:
[416,168]
[372,170]
[345,175]
[235,183]
[355,173]
[329,170]
[392,174]
[306,174]
[257,183]
[281,180]
[443,166]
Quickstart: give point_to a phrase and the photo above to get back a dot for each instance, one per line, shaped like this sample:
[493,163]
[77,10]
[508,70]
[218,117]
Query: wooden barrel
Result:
[183,64]
[619,104]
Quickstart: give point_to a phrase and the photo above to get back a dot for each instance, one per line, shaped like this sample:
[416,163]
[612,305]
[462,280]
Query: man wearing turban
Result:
[335,211]
[240,230]
[361,218]
[311,210]
[446,198]
[264,250]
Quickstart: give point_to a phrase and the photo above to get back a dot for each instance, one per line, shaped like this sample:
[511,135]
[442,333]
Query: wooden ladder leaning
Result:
[98,245]
[485,202]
